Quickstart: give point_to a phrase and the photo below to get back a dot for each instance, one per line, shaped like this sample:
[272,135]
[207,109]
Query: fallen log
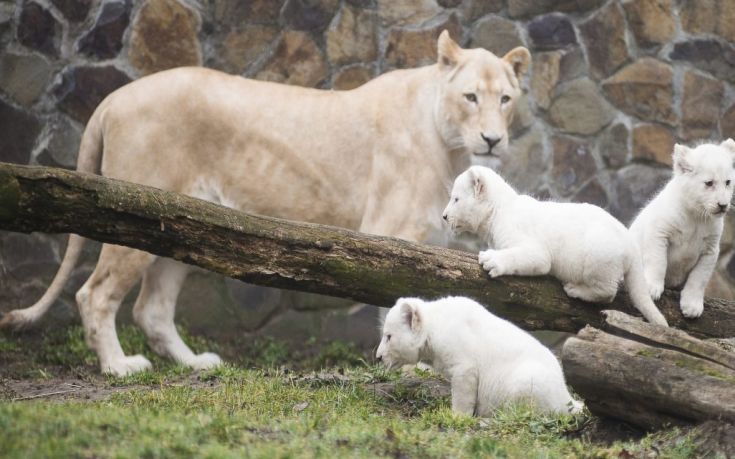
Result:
[648,375]
[299,256]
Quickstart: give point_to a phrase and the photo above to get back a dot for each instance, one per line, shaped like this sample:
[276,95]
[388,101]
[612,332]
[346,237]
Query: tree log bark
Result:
[648,375]
[299,256]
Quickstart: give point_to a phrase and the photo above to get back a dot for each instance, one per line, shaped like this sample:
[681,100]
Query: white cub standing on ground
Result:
[583,246]
[488,360]
[679,230]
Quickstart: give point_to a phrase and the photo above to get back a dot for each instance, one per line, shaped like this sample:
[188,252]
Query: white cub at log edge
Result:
[679,230]
[583,246]
[487,360]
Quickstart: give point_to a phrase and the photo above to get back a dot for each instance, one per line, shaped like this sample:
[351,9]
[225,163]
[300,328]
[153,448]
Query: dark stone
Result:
[604,37]
[573,163]
[449,3]
[592,193]
[362,3]
[104,40]
[528,8]
[613,145]
[475,9]
[73,10]
[635,185]
[708,55]
[18,132]
[727,123]
[232,13]
[37,29]
[311,15]
[551,32]
[82,88]
[60,144]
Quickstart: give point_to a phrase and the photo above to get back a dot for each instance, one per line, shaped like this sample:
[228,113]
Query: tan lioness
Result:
[378,159]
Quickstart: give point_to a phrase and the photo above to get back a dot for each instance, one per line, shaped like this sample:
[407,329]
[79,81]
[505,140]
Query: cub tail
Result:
[635,283]
[90,153]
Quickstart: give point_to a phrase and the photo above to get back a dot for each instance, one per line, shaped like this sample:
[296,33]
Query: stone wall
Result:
[613,85]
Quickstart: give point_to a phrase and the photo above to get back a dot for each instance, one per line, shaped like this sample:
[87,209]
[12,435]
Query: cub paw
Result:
[691,307]
[490,263]
[204,361]
[656,290]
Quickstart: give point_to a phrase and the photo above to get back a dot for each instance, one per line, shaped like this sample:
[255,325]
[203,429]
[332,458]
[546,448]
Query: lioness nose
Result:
[490,140]
[444,217]
[723,207]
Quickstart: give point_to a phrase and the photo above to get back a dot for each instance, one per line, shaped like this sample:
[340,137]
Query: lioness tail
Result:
[90,152]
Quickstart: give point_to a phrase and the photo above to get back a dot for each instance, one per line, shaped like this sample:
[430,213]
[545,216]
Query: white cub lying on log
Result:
[488,360]
[679,230]
[583,246]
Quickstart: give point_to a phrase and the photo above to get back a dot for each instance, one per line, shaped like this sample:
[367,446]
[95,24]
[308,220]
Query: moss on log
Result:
[299,256]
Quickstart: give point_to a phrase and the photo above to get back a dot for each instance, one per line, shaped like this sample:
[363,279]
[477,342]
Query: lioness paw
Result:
[656,290]
[490,263]
[204,361]
[691,307]
[127,365]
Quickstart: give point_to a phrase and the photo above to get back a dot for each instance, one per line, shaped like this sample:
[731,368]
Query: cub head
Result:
[468,201]
[478,92]
[404,334]
[707,176]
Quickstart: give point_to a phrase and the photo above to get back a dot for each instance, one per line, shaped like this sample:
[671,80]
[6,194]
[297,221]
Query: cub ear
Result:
[729,145]
[410,314]
[519,58]
[681,164]
[448,50]
[478,181]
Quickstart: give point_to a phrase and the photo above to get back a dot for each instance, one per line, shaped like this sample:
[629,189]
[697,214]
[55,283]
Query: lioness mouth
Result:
[486,153]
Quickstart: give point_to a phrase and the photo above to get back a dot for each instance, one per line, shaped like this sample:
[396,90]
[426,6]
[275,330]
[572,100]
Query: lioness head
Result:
[707,176]
[403,334]
[477,96]
[469,201]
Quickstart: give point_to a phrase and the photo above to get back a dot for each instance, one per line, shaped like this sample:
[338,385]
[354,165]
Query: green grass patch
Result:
[254,413]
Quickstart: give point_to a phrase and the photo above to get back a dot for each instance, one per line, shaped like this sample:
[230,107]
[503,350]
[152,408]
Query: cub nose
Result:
[444,217]
[723,207]
[491,141]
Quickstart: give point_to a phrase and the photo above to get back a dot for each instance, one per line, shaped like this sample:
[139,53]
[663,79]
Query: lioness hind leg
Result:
[117,271]
[154,311]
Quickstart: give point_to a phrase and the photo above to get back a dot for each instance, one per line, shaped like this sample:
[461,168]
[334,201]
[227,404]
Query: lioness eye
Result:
[387,337]
[709,183]
[727,183]
[456,199]
[471,97]
[505,99]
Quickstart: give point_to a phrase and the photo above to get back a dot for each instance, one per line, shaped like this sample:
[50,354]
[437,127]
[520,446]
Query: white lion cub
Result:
[679,230]
[487,360]
[583,246]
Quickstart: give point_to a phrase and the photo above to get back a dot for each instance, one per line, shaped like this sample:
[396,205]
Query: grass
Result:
[262,408]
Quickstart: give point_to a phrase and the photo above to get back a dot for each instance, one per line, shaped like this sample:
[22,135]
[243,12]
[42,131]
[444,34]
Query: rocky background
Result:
[614,84]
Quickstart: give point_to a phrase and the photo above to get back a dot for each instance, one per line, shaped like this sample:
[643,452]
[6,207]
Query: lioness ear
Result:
[681,164]
[519,58]
[447,50]
[410,314]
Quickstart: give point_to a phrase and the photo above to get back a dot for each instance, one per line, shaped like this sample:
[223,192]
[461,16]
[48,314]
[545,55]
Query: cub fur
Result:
[583,246]
[376,159]
[679,230]
[488,360]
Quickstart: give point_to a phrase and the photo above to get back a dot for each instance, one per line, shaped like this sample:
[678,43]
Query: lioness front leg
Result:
[692,295]
[464,391]
[519,261]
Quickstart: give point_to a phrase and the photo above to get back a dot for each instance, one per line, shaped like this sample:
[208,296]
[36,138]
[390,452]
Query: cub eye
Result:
[387,337]
[456,199]
[727,183]
[471,97]
[709,183]
[505,99]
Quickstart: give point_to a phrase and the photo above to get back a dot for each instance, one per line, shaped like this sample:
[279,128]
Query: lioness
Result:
[377,159]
